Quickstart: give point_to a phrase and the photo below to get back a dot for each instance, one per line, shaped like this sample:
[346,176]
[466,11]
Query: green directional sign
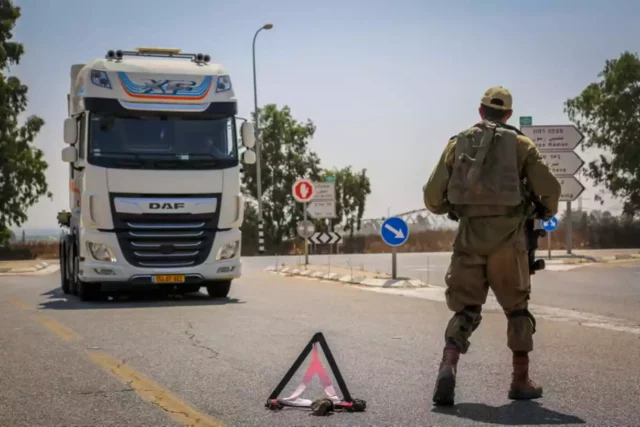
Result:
[526,120]
[330,179]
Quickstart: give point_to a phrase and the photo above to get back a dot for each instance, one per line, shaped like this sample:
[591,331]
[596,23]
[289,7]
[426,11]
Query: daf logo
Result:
[167,86]
[166,205]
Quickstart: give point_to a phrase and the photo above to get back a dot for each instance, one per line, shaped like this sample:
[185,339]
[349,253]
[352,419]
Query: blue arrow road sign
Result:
[394,231]
[550,225]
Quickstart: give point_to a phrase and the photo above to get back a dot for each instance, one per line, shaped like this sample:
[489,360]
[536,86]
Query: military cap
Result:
[498,97]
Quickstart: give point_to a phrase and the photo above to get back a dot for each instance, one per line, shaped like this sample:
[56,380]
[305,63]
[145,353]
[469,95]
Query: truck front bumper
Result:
[120,273]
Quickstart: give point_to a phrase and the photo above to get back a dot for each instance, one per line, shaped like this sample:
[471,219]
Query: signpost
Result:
[549,226]
[305,229]
[325,238]
[324,202]
[303,192]
[571,188]
[394,232]
[338,229]
[322,209]
[554,138]
[325,190]
[526,120]
[563,162]
[556,144]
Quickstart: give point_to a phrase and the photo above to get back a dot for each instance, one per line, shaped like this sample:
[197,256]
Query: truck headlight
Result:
[223,83]
[101,252]
[228,250]
[100,78]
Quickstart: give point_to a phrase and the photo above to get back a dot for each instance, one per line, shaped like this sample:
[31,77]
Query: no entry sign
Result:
[303,190]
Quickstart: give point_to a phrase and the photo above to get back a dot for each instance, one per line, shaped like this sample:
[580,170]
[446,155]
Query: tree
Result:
[22,166]
[285,158]
[352,190]
[6,236]
[607,112]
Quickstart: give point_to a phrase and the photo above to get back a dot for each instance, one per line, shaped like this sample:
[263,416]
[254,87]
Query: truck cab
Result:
[154,175]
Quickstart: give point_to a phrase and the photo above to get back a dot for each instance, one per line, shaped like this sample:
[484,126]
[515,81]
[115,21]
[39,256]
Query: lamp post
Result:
[258,144]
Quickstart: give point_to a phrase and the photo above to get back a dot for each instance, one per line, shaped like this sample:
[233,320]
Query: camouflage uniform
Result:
[480,180]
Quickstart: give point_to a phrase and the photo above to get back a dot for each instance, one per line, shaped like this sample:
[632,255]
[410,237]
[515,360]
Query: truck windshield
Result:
[162,142]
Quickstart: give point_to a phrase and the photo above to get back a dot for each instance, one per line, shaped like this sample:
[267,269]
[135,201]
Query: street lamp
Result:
[258,144]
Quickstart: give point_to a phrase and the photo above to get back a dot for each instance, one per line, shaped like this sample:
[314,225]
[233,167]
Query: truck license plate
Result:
[169,278]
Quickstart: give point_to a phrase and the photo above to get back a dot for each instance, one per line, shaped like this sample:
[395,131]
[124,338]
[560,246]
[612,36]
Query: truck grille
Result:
[166,242]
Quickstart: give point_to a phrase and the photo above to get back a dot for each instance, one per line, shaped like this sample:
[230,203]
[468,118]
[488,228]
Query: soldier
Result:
[485,180]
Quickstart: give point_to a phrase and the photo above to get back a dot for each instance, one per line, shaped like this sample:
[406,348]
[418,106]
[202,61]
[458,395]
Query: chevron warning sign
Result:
[325,238]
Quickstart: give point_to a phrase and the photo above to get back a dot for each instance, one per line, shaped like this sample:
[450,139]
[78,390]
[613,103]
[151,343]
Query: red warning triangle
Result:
[315,368]
[322,406]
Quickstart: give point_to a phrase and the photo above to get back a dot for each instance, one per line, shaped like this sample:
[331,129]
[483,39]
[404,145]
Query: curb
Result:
[587,259]
[39,266]
[353,280]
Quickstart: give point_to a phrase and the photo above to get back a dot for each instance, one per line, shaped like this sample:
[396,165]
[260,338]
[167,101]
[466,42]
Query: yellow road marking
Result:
[153,393]
[18,303]
[55,327]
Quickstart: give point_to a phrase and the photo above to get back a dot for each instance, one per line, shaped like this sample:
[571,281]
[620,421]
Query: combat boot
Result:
[446,382]
[522,387]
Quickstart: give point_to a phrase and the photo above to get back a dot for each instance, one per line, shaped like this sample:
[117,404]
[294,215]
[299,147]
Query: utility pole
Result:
[261,248]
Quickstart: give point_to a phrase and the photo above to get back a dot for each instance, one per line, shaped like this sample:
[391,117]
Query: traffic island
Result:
[347,275]
[19,267]
[589,257]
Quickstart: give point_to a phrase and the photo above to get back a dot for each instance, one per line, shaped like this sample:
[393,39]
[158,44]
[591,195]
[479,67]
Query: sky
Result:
[386,83]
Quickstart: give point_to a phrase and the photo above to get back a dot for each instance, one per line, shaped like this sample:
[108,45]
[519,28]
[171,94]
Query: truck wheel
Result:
[65,284]
[219,289]
[73,266]
[86,291]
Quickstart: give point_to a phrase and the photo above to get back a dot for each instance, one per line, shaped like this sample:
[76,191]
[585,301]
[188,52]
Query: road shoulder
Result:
[22,266]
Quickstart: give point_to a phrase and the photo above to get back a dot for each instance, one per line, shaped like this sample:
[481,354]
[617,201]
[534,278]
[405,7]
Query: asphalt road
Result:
[163,362]
[609,290]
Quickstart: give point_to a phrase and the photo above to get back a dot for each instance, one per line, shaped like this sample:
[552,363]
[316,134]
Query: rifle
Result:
[532,245]
[532,235]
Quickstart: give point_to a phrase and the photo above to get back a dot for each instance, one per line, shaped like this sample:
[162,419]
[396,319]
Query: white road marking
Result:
[539,311]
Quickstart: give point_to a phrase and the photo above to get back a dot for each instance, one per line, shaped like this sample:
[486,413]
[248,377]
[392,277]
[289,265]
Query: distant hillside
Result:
[37,234]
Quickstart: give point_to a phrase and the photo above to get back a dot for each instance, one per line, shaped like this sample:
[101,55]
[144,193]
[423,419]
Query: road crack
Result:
[193,420]
[197,343]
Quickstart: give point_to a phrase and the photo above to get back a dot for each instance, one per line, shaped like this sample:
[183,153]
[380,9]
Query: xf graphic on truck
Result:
[168,86]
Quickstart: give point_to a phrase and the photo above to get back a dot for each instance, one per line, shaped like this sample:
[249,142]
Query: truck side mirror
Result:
[69,154]
[70,131]
[249,157]
[248,135]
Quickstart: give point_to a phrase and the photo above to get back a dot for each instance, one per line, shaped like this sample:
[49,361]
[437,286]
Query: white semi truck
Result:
[154,164]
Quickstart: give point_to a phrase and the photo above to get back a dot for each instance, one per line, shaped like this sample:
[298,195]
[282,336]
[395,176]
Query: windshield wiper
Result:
[135,161]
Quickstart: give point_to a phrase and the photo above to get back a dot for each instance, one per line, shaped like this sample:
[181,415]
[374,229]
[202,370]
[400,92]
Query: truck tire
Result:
[219,289]
[65,283]
[72,266]
[86,291]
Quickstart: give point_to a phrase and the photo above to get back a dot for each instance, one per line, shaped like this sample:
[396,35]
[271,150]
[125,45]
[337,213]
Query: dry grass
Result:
[29,250]
[425,241]
[428,241]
